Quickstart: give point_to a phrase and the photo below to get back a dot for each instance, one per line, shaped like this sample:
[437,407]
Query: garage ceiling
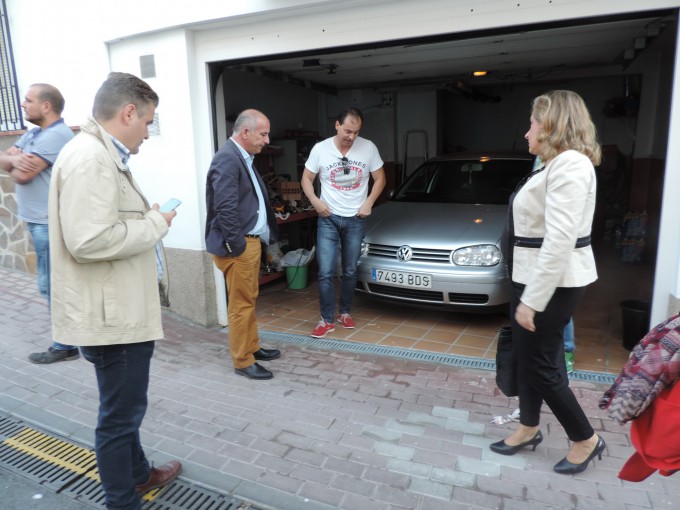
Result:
[587,49]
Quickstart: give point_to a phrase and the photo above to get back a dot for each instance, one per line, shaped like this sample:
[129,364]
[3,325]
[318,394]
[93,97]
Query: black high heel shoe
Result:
[505,449]
[564,467]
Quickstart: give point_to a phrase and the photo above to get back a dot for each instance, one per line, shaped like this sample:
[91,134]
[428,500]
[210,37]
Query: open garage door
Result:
[472,92]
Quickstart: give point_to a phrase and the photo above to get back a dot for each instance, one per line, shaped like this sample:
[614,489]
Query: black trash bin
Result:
[635,315]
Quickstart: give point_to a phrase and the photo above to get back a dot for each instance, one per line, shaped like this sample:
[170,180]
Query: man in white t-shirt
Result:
[343,164]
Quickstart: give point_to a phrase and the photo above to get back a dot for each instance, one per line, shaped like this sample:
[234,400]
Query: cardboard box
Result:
[290,190]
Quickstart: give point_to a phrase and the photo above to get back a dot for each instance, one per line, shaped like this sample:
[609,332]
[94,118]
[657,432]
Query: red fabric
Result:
[656,437]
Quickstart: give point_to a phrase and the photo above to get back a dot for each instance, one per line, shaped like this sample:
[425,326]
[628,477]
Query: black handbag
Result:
[506,366]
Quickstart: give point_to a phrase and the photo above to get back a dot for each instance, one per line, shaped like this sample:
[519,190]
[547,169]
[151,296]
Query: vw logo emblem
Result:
[404,253]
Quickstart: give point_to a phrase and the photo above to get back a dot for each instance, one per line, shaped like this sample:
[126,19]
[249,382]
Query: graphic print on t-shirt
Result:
[346,181]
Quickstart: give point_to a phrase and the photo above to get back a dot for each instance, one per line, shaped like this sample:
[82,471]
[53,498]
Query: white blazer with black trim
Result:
[556,205]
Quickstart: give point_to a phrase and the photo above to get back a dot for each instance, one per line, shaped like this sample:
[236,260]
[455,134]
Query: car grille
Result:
[471,299]
[422,295]
[432,297]
[419,254]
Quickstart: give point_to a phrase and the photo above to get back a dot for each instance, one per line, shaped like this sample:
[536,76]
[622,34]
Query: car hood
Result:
[448,226]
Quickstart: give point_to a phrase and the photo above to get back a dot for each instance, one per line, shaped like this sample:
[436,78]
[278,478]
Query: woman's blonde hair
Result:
[566,124]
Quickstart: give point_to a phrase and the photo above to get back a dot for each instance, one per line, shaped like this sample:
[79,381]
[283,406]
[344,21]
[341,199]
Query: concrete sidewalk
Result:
[331,430]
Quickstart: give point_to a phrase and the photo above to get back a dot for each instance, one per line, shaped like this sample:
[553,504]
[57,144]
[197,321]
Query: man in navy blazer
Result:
[239,219]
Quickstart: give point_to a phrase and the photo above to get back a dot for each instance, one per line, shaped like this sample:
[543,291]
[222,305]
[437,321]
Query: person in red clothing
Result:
[646,392]
[656,437]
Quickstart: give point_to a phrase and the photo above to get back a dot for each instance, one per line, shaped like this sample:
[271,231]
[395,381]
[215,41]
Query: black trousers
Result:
[541,367]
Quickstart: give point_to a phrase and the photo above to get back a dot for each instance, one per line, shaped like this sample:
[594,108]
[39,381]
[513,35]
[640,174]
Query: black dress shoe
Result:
[267,354]
[564,467]
[254,371]
[505,449]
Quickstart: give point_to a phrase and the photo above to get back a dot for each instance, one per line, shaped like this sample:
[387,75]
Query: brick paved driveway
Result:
[331,430]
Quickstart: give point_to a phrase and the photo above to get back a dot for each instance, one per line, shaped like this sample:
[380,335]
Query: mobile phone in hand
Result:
[170,205]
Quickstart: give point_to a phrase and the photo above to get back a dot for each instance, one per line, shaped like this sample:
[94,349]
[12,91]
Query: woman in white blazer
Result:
[551,263]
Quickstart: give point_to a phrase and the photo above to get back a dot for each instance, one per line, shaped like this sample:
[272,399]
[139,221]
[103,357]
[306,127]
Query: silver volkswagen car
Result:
[436,242]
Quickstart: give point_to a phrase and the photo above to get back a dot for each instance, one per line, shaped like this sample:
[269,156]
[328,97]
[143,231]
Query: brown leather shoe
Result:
[159,476]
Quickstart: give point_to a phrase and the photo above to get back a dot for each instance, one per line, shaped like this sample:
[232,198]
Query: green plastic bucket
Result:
[296,277]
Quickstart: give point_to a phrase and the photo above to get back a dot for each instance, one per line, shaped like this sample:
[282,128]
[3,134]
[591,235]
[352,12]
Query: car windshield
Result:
[471,181]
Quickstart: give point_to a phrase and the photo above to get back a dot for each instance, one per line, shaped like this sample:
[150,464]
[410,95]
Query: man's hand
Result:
[167,215]
[525,317]
[25,167]
[322,208]
[365,210]
[29,164]
[307,183]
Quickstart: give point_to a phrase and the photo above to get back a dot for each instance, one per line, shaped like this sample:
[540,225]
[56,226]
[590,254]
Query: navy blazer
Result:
[232,205]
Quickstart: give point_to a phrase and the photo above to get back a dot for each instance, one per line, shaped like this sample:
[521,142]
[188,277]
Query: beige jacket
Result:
[102,247]
[557,205]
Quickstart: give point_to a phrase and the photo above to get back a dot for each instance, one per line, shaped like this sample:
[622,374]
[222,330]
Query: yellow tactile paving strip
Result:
[77,461]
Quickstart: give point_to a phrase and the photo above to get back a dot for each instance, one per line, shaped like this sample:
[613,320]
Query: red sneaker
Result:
[346,321]
[322,329]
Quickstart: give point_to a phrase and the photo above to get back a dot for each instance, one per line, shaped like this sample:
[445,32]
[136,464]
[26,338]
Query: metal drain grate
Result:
[416,355]
[71,470]
[45,459]
[178,496]
[182,496]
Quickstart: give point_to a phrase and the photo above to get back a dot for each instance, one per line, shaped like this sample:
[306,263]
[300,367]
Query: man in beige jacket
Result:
[107,265]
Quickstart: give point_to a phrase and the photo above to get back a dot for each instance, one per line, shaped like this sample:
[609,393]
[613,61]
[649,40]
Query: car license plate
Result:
[416,280]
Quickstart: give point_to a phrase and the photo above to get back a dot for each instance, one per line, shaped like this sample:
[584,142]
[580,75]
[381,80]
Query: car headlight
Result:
[482,255]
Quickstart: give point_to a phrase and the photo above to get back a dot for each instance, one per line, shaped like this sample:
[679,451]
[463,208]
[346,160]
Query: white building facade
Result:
[83,40]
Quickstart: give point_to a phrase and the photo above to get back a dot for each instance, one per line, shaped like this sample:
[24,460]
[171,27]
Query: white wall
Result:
[166,164]
[65,43]
[667,276]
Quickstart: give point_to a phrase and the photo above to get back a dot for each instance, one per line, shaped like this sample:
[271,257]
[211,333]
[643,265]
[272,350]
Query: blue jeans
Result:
[41,244]
[569,336]
[337,233]
[123,379]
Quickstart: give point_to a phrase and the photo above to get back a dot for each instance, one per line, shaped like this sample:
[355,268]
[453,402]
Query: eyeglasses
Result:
[345,165]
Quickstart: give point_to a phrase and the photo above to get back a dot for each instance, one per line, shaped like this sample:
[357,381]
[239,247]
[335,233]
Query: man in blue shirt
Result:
[29,164]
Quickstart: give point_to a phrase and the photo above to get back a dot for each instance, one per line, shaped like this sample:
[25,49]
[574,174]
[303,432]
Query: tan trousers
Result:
[241,275]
